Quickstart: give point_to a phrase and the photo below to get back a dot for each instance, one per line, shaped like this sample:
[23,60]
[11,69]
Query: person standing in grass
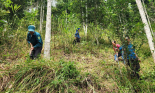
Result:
[35,41]
[132,59]
[116,50]
[77,36]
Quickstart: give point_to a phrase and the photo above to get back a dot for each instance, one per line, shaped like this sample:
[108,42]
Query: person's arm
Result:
[31,46]
[29,42]
[118,46]
[28,38]
[75,35]
[137,56]
[39,41]
[114,49]
[117,49]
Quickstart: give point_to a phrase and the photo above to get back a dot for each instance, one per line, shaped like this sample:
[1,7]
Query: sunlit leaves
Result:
[15,7]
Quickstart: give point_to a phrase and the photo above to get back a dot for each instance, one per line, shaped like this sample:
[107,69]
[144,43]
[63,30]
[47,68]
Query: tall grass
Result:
[86,67]
[46,76]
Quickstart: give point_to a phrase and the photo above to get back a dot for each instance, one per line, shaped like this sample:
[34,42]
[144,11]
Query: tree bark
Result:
[86,20]
[41,16]
[48,31]
[146,27]
[41,10]
[83,21]
[147,17]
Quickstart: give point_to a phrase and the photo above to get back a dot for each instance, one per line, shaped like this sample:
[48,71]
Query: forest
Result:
[80,44]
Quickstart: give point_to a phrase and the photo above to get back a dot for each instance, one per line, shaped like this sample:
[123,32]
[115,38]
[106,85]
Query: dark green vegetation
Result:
[86,67]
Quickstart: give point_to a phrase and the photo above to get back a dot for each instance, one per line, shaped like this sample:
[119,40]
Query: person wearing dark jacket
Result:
[132,59]
[35,41]
[77,37]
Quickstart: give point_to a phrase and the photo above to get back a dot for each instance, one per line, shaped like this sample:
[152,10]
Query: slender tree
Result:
[48,31]
[41,12]
[146,27]
[86,20]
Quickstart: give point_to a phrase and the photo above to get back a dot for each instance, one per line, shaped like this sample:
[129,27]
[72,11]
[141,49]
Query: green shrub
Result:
[67,71]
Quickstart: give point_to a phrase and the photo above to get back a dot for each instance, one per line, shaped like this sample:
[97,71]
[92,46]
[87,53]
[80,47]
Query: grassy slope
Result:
[94,63]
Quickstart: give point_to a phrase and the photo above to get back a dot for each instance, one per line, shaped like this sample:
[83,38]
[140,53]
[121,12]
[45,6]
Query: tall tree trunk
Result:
[83,21]
[66,17]
[41,10]
[66,12]
[147,17]
[146,27]
[37,5]
[86,19]
[43,15]
[48,31]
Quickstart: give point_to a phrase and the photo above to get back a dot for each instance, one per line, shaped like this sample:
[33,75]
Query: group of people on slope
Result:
[127,52]
[36,43]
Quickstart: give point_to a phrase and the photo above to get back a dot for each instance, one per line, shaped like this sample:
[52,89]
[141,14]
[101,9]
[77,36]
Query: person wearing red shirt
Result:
[116,50]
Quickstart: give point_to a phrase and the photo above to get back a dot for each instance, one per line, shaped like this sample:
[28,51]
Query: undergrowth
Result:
[87,67]
[36,76]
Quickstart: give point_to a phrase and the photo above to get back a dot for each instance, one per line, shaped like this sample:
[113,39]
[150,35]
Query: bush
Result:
[36,76]
[67,71]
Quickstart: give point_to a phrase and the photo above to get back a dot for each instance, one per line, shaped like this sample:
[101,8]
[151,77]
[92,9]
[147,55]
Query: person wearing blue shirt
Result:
[132,59]
[77,36]
[35,41]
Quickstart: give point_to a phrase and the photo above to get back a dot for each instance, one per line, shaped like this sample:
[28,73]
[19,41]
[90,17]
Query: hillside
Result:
[88,66]
[76,69]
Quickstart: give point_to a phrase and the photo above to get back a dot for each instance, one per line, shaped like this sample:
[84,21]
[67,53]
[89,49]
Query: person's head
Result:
[114,43]
[127,38]
[78,29]
[31,29]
